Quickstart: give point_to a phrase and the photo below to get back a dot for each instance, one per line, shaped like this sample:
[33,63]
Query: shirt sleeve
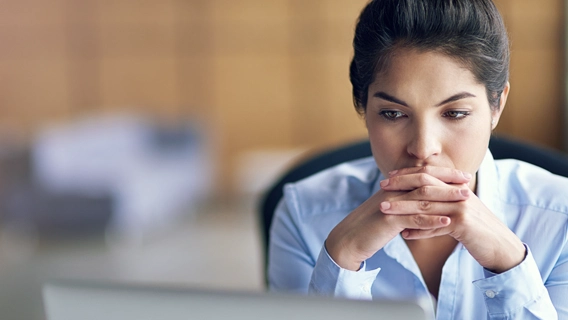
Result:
[557,282]
[330,279]
[518,293]
[292,267]
[289,263]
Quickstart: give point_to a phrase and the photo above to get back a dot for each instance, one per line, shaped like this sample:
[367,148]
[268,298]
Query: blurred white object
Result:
[153,172]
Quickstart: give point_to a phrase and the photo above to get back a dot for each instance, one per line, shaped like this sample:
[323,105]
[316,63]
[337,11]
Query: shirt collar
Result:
[488,186]
[377,184]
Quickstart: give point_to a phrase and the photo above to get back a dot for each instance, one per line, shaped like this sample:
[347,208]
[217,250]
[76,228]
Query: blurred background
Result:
[137,136]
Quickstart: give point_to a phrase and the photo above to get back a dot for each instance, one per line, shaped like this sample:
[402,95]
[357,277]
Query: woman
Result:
[431,215]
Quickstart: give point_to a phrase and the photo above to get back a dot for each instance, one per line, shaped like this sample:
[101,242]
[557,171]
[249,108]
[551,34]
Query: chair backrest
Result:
[501,148]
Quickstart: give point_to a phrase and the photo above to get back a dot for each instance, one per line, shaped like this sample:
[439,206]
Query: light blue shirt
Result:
[532,202]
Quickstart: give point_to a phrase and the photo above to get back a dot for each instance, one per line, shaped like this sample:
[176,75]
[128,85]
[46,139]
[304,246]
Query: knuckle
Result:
[424,205]
[419,220]
[423,178]
[394,180]
[424,191]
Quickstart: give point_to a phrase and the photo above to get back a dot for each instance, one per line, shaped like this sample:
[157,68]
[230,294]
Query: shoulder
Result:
[535,204]
[342,187]
[525,184]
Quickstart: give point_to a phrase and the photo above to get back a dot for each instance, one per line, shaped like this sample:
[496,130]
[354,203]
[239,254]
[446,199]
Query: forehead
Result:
[411,69]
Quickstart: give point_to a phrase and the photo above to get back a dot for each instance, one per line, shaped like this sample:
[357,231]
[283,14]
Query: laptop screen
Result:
[73,300]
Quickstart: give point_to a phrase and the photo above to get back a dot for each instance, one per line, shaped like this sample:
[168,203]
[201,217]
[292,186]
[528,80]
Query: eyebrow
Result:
[389,98]
[455,97]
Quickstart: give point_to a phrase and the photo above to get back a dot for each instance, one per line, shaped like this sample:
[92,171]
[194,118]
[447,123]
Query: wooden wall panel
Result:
[136,12]
[29,13]
[84,87]
[32,42]
[83,57]
[340,10]
[193,11]
[33,91]
[194,39]
[536,100]
[250,10]
[234,38]
[535,104]
[346,124]
[148,84]
[137,40]
[196,85]
[320,46]
[310,97]
[252,102]
[195,52]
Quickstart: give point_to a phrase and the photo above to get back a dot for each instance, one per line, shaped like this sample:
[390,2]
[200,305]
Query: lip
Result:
[423,164]
[417,165]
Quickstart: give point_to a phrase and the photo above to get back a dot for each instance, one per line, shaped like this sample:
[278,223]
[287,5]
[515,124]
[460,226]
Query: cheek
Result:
[380,137]
[467,146]
[386,147]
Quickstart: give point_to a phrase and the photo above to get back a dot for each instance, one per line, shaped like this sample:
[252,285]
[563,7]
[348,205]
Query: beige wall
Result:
[535,106]
[265,73]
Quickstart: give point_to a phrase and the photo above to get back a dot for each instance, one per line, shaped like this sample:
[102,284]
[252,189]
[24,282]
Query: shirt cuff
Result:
[510,291]
[331,280]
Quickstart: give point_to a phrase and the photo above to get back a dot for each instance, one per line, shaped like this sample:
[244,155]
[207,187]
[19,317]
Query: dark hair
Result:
[470,31]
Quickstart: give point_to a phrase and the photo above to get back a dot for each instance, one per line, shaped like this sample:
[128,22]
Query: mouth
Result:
[420,164]
[423,164]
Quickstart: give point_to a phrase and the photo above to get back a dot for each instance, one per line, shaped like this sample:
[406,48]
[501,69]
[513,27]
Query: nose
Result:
[425,141]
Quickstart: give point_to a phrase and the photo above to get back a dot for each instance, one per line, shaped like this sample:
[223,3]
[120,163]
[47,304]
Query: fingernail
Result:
[445,220]
[392,173]
[466,175]
[385,205]
[404,233]
[384,183]
[464,192]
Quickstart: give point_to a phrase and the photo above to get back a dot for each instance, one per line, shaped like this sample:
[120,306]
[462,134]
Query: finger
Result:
[415,234]
[418,221]
[435,193]
[410,181]
[406,207]
[447,193]
[448,175]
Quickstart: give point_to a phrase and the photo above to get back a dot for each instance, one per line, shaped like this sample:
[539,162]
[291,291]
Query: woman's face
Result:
[428,109]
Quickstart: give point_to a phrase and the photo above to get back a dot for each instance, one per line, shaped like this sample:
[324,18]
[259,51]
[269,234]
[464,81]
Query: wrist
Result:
[339,254]
[510,259]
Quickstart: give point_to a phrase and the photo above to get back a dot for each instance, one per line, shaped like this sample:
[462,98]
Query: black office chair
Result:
[501,148]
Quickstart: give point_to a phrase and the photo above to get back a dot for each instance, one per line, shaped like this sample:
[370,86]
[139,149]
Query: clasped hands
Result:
[425,202]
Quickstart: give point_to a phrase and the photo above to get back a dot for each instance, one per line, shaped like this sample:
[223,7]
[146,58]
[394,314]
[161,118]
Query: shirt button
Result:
[490,294]
[366,288]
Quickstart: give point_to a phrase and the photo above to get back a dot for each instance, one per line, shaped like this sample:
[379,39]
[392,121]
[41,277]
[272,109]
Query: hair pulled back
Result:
[471,31]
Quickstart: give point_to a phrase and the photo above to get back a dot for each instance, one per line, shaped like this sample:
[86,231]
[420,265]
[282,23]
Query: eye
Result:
[456,115]
[391,115]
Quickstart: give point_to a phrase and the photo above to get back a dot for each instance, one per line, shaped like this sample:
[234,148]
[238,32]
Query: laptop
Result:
[72,300]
